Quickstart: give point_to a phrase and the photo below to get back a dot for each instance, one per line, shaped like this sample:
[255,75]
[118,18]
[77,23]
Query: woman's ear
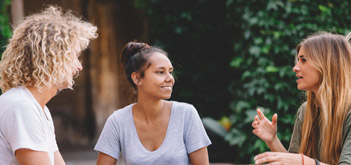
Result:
[136,78]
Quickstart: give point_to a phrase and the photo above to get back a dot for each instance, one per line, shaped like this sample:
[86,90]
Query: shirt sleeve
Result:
[195,134]
[295,140]
[54,143]
[23,127]
[345,156]
[108,142]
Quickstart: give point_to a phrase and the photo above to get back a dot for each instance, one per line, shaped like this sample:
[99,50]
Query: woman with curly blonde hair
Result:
[40,59]
[323,122]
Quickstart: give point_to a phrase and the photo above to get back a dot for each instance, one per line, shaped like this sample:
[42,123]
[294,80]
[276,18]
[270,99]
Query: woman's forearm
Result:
[276,146]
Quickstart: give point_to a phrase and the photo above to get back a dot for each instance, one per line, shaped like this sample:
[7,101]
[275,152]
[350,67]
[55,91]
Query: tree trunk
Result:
[119,23]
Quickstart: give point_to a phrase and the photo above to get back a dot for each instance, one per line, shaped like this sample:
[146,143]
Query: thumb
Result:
[274,120]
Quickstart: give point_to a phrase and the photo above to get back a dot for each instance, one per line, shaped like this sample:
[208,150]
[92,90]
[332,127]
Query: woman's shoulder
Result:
[122,113]
[347,120]
[182,106]
[184,110]
[301,111]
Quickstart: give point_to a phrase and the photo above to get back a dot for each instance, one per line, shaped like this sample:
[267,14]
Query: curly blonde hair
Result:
[41,50]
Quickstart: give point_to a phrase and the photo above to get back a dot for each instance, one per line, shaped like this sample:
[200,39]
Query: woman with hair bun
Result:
[322,131]
[152,130]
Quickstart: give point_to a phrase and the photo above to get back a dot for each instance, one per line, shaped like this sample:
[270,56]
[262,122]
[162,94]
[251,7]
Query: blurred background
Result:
[230,57]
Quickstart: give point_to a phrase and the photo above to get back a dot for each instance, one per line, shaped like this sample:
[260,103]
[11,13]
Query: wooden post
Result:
[17,11]
[119,22]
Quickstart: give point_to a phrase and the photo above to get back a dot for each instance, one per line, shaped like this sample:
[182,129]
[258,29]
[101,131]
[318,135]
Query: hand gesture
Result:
[263,128]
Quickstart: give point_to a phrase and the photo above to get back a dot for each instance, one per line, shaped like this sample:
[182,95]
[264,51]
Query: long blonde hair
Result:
[41,49]
[326,109]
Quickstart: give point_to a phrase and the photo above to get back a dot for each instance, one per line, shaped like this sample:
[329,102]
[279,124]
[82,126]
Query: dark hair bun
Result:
[130,49]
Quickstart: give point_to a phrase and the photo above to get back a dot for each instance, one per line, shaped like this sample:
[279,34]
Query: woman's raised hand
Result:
[263,128]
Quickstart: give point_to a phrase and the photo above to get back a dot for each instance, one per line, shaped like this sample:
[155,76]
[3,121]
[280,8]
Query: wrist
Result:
[308,161]
[272,141]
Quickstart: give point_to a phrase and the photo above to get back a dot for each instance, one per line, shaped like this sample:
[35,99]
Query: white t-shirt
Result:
[185,134]
[24,124]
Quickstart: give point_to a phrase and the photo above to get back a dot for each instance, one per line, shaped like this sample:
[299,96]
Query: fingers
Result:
[256,122]
[256,132]
[262,155]
[274,120]
[266,154]
[260,114]
[256,118]
[267,157]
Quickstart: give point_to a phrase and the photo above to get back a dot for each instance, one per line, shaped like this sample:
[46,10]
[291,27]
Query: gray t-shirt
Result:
[185,134]
[345,157]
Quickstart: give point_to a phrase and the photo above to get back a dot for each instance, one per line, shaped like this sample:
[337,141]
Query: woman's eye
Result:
[303,60]
[159,72]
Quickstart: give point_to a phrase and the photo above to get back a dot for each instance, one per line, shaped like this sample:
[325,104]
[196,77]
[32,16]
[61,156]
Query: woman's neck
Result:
[44,96]
[149,109]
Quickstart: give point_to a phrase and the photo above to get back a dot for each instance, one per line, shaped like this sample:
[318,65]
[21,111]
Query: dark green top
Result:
[345,157]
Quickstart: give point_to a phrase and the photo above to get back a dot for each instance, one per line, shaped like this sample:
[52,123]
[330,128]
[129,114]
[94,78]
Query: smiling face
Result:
[308,77]
[158,80]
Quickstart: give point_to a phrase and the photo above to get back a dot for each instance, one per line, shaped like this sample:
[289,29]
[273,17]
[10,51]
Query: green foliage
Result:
[215,126]
[199,50]
[271,29]
[5,30]
[233,56]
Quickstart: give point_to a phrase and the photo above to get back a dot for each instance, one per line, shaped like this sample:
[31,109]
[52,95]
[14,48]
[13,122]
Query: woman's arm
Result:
[199,157]
[104,159]
[276,146]
[284,158]
[58,158]
[267,131]
[345,156]
[31,157]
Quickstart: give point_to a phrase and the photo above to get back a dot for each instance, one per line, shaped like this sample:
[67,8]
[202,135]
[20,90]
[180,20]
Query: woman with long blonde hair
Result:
[322,127]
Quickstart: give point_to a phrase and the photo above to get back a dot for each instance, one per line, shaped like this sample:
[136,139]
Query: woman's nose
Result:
[78,64]
[296,68]
[80,67]
[169,77]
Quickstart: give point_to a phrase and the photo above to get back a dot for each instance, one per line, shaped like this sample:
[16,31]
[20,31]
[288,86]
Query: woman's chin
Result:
[65,85]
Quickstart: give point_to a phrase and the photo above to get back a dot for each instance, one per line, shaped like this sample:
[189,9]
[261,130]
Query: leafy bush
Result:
[5,30]
[264,54]
[232,56]
[199,49]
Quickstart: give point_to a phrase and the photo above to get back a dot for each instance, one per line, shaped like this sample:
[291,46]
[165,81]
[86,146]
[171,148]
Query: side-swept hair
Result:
[326,110]
[41,49]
